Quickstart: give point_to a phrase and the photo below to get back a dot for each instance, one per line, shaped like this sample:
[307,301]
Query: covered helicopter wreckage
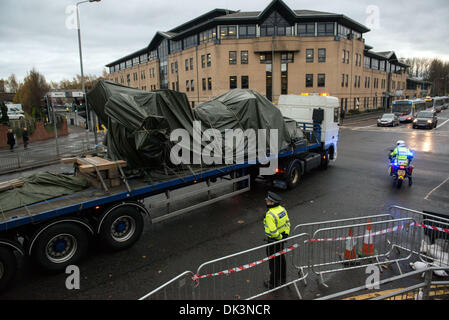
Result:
[140,123]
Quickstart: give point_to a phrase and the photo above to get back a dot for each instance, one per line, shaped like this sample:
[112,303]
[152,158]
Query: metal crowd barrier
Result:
[179,288]
[433,230]
[341,245]
[421,285]
[318,248]
[236,276]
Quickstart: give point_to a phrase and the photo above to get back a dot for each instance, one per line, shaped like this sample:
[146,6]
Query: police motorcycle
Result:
[400,170]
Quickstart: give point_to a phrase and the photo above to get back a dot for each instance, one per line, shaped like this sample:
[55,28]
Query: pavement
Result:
[43,153]
[357,184]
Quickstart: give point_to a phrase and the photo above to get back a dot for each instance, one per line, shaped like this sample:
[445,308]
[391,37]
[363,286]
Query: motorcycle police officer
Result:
[277,227]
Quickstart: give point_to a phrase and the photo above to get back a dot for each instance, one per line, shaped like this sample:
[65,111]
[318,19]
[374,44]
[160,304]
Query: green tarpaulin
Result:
[139,123]
[39,187]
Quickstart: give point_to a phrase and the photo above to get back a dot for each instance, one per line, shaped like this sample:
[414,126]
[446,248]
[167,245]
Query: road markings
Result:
[428,195]
[443,123]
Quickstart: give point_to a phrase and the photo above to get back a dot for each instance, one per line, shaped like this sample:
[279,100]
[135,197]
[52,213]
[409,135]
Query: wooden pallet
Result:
[100,173]
[11,184]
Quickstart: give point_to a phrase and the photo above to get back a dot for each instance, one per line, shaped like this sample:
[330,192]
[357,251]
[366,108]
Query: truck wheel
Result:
[59,246]
[293,176]
[8,267]
[121,228]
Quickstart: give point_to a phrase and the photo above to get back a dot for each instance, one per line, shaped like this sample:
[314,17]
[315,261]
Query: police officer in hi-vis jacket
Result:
[277,227]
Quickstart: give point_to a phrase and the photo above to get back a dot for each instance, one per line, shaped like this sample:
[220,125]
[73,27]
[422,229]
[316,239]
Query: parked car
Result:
[15,112]
[425,119]
[387,120]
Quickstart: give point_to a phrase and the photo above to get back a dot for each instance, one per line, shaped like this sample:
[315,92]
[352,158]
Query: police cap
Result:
[273,197]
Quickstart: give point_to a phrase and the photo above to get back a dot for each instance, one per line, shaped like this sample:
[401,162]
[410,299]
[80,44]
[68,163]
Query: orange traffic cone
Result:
[368,243]
[350,246]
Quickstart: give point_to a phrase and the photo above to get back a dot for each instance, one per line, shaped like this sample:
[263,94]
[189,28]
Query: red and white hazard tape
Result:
[425,226]
[246,266]
[388,230]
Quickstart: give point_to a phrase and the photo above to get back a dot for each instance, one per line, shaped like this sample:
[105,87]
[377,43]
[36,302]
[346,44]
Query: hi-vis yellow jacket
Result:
[276,222]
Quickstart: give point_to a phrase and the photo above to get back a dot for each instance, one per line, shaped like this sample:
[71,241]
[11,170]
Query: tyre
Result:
[8,267]
[59,246]
[293,175]
[121,228]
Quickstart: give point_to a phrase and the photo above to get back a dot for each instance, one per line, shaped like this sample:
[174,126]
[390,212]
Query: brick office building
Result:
[275,51]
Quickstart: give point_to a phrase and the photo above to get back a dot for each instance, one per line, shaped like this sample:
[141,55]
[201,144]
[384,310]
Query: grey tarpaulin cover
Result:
[39,187]
[139,123]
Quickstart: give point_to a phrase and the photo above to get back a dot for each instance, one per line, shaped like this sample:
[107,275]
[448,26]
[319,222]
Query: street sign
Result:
[57,94]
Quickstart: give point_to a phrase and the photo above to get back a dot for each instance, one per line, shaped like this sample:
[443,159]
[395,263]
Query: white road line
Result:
[427,196]
[442,123]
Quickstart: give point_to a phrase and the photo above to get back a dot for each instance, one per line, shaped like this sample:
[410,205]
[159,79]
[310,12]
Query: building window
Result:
[342,80]
[187,85]
[322,55]
[284,78]
[347,80]
[190,42]
[245,82]
[247,31]
[187,64]
[192,88]
[306,29]
[232,82]
[191,63]
[325,29]
[232,57]
[287,57]
[321,80]
[203,61]
[367,62]
[208,60]
[266,31]
[244,57]
[309,55]
[209,83]
[228,32]
[309,80]
[265,58]
[204,83]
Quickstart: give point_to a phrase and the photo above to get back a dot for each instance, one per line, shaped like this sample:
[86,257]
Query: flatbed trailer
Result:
[56,232]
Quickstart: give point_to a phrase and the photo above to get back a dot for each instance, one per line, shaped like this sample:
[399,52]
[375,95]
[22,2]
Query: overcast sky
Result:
[40,34]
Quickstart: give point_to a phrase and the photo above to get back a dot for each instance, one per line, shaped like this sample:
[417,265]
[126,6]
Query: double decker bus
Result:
[407,110]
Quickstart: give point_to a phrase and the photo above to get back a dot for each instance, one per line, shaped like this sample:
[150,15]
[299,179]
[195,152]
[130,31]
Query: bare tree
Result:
[13,85]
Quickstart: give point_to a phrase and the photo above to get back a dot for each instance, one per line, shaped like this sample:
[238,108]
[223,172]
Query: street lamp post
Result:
[83,88]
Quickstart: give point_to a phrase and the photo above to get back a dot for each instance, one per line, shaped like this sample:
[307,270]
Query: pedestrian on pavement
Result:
[11,140]
[25,138]
[277,227]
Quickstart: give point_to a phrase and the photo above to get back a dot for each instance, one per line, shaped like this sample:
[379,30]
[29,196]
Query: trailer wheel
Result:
[59,246]
[121,228]
[8,267]
[293,175]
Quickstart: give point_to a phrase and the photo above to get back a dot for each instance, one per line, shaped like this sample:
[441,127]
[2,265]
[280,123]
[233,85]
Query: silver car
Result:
[388,120]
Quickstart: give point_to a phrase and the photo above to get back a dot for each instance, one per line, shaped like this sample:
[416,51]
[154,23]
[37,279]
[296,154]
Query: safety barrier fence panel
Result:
[236,276]
[242,275]
[179,288]
[415,285]
[433,230]
[310,228]
[354,246]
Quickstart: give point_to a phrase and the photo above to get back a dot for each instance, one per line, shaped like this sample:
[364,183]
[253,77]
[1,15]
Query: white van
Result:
[15,112]
[301,108]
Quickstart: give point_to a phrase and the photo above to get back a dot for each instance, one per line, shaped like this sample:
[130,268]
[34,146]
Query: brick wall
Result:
[39,134]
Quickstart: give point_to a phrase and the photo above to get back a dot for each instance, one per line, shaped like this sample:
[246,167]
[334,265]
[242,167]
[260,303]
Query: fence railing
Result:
[422,285]
[317,249]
